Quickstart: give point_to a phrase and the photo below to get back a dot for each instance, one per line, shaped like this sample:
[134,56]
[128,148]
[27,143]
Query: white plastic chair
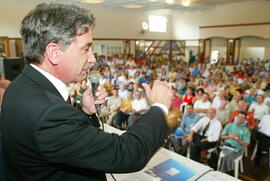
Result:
[255,151]
[246,151]
[210,151]
[237,161]
[183,107]
[188,150]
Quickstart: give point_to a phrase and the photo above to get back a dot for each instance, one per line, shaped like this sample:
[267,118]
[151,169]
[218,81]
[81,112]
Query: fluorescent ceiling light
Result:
[132,6]
[92,1]
[186,3]
[170,1]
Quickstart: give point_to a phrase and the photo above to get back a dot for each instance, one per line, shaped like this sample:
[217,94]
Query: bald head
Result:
[211,113]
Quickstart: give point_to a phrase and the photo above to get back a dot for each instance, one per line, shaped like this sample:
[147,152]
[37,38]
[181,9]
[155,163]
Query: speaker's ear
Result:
[52,53]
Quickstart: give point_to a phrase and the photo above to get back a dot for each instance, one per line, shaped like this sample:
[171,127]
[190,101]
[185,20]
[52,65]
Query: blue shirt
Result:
[250,99]
[188,121]
[195,72]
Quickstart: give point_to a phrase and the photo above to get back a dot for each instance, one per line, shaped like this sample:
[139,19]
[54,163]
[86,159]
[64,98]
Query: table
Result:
[203,172]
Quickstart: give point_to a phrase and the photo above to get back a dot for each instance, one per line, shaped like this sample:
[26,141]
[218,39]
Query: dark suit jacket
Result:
[44,138]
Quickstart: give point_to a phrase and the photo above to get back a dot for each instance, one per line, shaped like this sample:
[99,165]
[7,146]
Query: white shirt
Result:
[259,110]
[58,84]
[264,125]
[216,102]
[213,131]
[114,103]
[202,105]
[123,93]
[139,104]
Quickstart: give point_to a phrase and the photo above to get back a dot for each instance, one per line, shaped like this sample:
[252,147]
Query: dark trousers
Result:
[120,117]
[2,164]
[263,146]
[199,146]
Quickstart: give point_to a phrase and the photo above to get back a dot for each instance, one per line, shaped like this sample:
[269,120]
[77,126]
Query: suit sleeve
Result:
[64,137]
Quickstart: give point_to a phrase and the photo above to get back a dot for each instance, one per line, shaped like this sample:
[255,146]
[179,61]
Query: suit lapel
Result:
[40,79]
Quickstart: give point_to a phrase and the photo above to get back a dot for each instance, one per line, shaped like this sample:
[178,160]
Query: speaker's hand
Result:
[88,102]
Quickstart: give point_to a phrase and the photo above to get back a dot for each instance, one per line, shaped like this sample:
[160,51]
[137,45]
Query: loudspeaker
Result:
[11,67]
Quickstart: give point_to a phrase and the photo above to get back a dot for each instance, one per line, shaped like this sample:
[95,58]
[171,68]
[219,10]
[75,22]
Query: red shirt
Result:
[188,98]
[176,102]
[250,118]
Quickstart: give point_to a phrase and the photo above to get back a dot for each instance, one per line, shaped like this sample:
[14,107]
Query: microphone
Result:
[94,77]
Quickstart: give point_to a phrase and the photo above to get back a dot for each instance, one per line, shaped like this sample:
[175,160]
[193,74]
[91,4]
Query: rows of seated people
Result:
[216,105]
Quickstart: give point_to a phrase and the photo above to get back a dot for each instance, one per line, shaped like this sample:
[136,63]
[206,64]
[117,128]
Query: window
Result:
[157,23]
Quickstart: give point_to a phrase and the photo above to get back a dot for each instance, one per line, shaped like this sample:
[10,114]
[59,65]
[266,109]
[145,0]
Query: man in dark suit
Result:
[45,138]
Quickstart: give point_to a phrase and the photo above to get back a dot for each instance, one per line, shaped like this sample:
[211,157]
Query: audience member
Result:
[201,106]
[259,108]
[138,107]
[250,121]
[189,119]
[113,105]
[235,135]
[205,134]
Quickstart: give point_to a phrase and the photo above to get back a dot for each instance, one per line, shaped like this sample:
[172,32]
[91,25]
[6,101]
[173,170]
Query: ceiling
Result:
[160,5]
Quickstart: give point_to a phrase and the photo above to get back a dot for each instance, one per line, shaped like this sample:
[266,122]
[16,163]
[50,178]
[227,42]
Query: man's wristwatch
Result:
[236,138]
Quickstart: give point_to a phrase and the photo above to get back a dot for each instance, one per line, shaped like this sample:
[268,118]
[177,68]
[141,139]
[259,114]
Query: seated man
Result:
[125,109]
[113,105]
[201,106]
[233,104]
[189,119]
[259,108]
[223,112]
[218,98]
[251,96]
[263,136]
[204,134]
[251,123]
[138,107]
[235,135]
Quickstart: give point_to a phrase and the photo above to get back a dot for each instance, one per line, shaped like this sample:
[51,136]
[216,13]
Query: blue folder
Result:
[171,170]
[179,132]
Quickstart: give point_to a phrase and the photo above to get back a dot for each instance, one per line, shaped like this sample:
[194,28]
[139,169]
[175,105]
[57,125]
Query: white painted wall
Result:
[186,25]
[255,47]
[110,23]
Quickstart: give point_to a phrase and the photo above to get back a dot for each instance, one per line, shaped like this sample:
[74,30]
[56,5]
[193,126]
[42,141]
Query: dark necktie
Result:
[69,100]
[206,129]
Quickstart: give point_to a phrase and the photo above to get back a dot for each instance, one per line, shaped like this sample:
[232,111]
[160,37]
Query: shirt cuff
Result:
[162,106]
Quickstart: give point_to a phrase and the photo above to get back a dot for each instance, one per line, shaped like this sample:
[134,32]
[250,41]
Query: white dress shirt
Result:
[213,131]
[264,125]
[139,104]
[58,84]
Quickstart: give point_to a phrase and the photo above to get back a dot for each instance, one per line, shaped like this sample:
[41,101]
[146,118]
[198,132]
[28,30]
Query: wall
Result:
[110,23]
[253,47]
[187,24]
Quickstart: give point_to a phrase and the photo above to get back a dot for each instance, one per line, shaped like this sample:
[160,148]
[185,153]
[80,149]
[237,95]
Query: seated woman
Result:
[189,97]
